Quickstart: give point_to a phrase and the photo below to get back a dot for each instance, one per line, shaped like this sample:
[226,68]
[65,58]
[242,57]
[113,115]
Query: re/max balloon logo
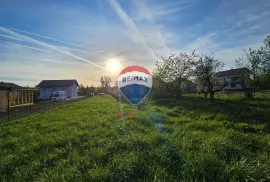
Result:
[135,78]
[134,83]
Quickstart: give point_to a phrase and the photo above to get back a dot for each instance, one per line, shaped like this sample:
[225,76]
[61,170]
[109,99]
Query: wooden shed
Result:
[12,95]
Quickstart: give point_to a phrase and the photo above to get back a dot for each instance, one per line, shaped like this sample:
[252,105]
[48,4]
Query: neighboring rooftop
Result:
[9,85]
[13,86]
[232,72]
[57,83]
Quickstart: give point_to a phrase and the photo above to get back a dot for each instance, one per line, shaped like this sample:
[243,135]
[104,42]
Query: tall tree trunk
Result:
[205,94]
[212,96]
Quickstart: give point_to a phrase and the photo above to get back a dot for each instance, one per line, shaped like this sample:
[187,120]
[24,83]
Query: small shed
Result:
[13,95]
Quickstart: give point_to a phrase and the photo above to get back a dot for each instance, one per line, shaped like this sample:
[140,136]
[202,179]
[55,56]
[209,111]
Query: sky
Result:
[66,39]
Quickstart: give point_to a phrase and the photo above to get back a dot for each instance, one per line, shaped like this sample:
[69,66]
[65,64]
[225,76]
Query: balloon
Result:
[135,82]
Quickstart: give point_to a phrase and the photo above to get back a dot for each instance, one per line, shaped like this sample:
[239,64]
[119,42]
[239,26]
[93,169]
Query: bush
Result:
[248,93]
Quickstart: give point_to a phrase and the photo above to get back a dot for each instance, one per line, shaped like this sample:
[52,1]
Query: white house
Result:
[235,78]
[47,87]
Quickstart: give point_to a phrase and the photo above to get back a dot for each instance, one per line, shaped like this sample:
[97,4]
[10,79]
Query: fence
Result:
[23,111]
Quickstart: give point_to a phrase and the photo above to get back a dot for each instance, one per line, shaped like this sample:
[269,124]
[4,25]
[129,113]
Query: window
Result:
[233,85]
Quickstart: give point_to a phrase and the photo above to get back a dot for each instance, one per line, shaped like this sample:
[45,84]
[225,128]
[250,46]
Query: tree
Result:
[158,90]
[244,77]
[92,89]
[174,71]
[190,87]
[265,64]
[254,58]
[205,71]
[266,54]
[105,83]
[87,90]
[258,61]
[82,90]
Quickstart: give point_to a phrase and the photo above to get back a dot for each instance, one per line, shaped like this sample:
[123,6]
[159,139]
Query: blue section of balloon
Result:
[135,93]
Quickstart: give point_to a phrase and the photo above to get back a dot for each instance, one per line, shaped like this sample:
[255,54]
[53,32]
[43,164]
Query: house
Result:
[48,87]
[236,78]
[13,95]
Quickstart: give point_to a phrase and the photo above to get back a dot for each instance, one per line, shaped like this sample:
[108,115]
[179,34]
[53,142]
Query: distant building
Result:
[235,78]
[48,87]
[190,87]
[13,95]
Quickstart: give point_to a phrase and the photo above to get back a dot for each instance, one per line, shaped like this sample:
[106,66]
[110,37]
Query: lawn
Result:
[191,139]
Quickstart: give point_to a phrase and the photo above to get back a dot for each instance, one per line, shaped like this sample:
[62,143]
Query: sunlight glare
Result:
[113,64]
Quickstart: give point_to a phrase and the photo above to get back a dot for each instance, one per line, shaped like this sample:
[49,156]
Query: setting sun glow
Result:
[113,64]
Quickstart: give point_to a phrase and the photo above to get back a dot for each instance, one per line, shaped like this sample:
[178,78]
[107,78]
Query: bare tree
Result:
[105,83]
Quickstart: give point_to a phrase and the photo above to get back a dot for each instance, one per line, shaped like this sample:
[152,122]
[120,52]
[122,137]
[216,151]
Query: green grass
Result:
[227,140]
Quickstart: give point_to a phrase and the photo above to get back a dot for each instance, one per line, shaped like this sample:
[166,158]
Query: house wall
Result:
[231,79]
[45,93]
[3,100]
[73,90]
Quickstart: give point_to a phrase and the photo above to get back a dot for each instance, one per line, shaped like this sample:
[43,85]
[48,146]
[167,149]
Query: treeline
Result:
[176,72]
[103,88]
[86,90]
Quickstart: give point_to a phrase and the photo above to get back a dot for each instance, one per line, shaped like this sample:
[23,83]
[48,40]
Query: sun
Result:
[113,64]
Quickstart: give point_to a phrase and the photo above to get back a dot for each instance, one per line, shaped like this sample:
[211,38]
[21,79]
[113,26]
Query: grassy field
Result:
[227,140]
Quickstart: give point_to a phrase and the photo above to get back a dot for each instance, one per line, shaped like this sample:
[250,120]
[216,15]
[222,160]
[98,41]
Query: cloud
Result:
[47,45]
[137,37]
[57,40]
[10,37]
[27,47]
[165,11]
[40,59]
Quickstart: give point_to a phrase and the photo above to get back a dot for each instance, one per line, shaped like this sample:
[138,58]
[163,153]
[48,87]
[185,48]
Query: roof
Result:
[4,85]
[13,86]
[56,83]
[232,72]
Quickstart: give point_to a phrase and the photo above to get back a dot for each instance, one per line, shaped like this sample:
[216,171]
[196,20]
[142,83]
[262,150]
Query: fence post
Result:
[44,105]
[30,109]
